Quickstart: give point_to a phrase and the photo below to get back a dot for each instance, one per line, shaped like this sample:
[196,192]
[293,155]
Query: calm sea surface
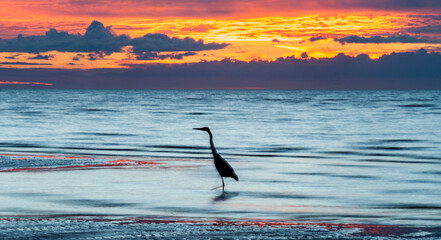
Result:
[339,156]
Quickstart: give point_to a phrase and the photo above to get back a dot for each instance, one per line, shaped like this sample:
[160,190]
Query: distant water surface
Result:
[341,156]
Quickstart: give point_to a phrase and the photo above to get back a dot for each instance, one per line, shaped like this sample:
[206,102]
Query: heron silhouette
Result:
[222,166]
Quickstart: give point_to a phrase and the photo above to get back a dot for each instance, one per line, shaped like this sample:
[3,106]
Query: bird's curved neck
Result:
[213,149]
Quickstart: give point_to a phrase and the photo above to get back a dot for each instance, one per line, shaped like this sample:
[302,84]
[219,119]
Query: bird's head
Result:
[205,129]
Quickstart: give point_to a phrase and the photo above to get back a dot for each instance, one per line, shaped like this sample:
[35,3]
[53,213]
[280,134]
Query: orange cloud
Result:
[262,28]
[25,83]
[248,26]
[203,8]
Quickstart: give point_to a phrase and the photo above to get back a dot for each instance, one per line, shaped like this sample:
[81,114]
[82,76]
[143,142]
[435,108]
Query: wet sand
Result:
[98,227]
[50,206]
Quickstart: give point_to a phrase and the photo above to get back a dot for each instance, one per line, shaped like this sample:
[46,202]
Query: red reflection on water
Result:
[164,163]
[109,164]
[59,157]
[364,229]
[375,230]
[132,162]
[70,157]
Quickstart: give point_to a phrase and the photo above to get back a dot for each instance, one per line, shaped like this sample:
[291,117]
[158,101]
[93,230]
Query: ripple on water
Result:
[417,105]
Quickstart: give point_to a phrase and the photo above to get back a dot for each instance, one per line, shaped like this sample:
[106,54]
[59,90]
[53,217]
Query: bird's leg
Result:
[223,184]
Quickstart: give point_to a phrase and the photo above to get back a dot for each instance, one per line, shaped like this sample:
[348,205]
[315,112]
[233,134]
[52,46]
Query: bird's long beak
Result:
[198,129]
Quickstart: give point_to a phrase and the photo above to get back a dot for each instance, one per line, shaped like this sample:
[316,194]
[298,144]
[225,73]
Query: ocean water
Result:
[336,156]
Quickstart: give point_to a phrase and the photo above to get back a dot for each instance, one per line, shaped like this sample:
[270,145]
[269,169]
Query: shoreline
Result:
[122,227]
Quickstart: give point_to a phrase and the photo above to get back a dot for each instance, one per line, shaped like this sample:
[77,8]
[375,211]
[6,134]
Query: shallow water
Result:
[340,156]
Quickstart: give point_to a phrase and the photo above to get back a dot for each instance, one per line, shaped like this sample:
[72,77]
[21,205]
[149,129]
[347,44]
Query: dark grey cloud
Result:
[427,17]
[78,57]
[24,63]
[95,55]
[161,42]
[159,56]
[380,39]
[12,57]
[99,38]
[42,57]
[396,4]
[389,5]
[426,29]
[313,39]
[408,70]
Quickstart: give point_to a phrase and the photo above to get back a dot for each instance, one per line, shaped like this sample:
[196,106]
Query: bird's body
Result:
[223,167]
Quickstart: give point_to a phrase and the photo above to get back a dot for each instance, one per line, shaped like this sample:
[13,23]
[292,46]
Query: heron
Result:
[222,166]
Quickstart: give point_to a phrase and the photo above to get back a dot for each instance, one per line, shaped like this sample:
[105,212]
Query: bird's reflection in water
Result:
[224,196]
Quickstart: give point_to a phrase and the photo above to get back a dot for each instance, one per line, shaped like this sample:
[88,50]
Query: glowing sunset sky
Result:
[131,37]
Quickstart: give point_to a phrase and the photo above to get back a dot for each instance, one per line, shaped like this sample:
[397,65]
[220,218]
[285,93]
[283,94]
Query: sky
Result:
[224,44]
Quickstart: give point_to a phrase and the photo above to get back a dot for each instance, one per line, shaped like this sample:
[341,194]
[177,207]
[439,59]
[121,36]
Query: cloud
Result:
[161,43]
[99,38]
[24,63]
[313,39]
[426,29]
[12,57]
[380,39]
[42,57]
[24,83]
[78,57]
[407,70]
[158,56]
[200,28]
[95,55]
[198,8]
